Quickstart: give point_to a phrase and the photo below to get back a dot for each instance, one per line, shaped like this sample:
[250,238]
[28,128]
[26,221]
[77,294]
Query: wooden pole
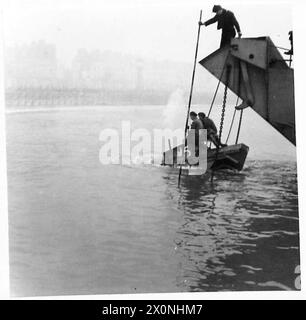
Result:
[191,91]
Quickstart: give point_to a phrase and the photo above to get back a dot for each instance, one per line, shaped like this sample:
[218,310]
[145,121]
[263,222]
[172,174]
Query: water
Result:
[78,227]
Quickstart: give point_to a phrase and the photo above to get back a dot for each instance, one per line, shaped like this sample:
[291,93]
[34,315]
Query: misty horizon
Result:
[145,48]
[159,30]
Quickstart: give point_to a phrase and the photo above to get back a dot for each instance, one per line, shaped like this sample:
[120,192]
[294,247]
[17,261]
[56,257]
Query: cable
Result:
[216,91]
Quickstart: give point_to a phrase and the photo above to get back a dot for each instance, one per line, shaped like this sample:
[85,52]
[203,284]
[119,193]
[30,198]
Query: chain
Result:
[223,113]
[224,103]
[228,69]
[216,91]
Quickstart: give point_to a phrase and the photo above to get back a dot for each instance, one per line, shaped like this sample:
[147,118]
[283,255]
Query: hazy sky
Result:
[156,29]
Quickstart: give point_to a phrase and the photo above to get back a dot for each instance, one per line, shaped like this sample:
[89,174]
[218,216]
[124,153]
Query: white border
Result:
[299,9]
[4,268]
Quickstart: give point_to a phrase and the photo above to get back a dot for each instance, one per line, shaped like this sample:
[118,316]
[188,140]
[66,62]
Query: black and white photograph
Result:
[151,147]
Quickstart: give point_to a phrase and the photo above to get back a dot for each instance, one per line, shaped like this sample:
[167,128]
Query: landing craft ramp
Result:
[260,77]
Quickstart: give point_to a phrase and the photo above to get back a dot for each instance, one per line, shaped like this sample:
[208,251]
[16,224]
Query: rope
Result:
[241,112]
[232,122]
[223,111]
[230,129]
[239,126]
[228,69]
[216,91]
[214,98]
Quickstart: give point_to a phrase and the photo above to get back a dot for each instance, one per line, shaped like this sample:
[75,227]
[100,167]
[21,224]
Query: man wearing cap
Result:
[227,22]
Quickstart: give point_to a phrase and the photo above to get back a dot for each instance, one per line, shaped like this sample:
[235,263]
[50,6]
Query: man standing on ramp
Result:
[227,22]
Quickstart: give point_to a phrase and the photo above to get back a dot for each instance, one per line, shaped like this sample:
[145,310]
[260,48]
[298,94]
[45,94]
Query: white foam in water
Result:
[174,114]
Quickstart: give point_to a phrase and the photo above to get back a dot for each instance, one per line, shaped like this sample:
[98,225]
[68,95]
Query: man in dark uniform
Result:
[227,22]
[212,133]
[197,125]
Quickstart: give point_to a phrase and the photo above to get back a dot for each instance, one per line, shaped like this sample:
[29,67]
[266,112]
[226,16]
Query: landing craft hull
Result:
[230,157]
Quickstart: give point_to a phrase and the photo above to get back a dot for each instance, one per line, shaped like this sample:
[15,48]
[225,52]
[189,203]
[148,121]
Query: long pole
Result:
[191,91]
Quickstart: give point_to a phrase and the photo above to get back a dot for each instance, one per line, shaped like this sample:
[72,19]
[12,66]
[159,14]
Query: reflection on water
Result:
[239,232]
[78,227]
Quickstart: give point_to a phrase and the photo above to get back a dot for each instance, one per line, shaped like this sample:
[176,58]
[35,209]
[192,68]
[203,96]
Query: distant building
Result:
[112,74]
[103,70]
[31,65]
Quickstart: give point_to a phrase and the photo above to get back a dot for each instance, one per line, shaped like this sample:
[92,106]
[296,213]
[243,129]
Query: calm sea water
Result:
[79,227]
